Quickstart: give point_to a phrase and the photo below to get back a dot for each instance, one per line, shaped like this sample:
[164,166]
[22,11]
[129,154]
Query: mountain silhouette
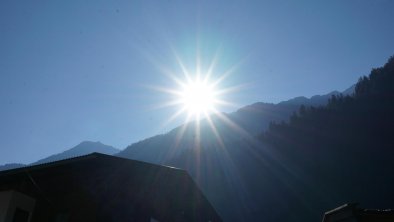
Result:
[10,166]
[217,160]
[230,165]
[250,121]
[83,148]
[338,153]
[305,160]
[321,158]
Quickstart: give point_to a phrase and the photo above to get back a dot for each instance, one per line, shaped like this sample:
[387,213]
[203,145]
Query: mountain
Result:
[305,160]
[318,100]
[216,156]
[244,123]
[321,158]
[338,153]
[349,91]
[10,166]
[235,170]
[83,148]
[313,101]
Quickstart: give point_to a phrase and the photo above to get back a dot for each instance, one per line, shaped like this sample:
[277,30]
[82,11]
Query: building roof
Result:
[77,158]
[351,212]
[116,184]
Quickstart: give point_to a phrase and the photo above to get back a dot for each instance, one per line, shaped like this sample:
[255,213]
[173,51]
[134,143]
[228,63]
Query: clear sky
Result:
[83,70]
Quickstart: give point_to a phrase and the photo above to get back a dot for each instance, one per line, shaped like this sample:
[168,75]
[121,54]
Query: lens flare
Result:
[198,97]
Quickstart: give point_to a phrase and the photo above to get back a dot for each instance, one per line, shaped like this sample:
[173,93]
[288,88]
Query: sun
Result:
[198,97]
[198,92]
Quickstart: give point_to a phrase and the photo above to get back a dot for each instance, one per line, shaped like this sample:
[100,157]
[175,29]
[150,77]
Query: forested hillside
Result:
[344,151]
[323,157]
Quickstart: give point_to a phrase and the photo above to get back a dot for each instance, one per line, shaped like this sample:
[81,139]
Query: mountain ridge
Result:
[83,148]
[252,119]
[249,109]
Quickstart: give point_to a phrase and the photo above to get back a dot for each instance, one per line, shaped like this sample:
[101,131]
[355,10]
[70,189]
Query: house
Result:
[99,187]
[352,213]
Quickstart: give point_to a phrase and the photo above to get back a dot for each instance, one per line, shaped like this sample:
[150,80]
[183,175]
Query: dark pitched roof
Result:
[352,211]
[115,185]
[79,158]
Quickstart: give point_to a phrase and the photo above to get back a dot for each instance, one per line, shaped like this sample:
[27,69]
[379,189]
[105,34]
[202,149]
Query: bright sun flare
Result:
[198,92]
[198,97]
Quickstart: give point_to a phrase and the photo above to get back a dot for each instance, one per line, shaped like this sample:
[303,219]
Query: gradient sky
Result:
[82,70]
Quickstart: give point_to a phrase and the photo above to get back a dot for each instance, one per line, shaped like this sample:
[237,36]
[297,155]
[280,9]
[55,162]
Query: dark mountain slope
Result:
[225,169]
[324,157]
[344,151]
[249,121]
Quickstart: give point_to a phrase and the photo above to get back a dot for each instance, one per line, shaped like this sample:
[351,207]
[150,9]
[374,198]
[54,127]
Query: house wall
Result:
[11,200]
[5,198]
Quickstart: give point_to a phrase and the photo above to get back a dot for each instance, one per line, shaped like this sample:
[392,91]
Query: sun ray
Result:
[166,90]
[174,116]
[214,130]
[198,61]
[228,72]
[233,125]
[229,89]
[211,68]
[226,103]
[182,130]
[224,75]
[182,66]
[198,96]
[171,103]
[173,77]
[197,138]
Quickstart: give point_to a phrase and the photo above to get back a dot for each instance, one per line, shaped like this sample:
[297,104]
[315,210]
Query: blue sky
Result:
[81,70]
